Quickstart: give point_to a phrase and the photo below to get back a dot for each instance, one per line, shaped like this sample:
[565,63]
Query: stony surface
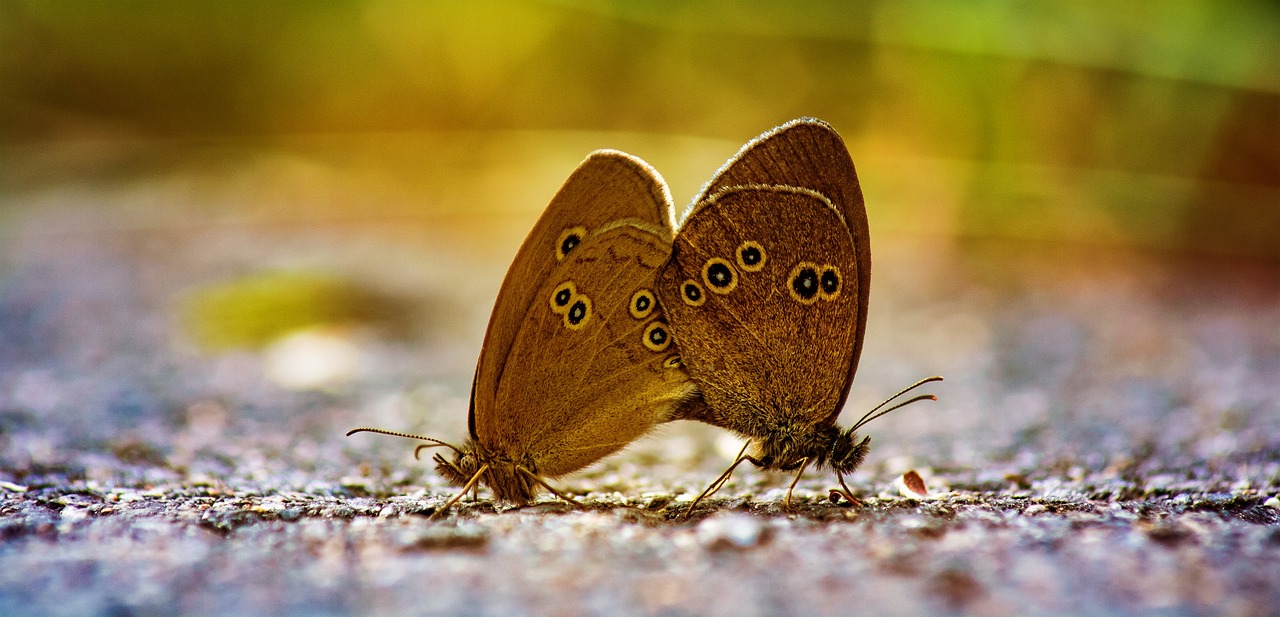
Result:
[1107,442]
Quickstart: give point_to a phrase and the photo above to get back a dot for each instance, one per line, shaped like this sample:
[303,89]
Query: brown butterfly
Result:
[766,293]
[577,359]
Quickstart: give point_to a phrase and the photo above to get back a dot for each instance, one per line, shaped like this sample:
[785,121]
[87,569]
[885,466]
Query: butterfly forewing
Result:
[762,291]
[591,368]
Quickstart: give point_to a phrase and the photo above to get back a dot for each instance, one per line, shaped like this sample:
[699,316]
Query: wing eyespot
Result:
[656,337]
[578,314]
[692,294]
[804,282]
[719,275]
[568,240]
[642,304]
[562,297]
[830,282]
[751,256]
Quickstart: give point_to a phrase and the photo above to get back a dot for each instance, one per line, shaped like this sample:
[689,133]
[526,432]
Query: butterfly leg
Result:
[843,491]
[473,483]
[552,489]
[724,477]
[786,503]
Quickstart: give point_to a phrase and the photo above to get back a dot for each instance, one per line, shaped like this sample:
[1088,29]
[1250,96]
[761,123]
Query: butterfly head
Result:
[510,480]
[846,452]
[460,466]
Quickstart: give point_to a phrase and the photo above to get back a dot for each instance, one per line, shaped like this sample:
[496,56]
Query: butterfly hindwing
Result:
[608,186]
[762,294]
[808,153]
[592,367]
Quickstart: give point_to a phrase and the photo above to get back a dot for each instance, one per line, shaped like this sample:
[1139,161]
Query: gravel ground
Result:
[1107,442]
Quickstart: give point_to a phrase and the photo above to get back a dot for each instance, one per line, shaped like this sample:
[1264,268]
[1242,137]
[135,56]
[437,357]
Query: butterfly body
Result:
[766,317]
[766,290]
[595,365]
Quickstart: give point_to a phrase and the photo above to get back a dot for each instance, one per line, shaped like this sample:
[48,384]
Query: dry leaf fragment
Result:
[912,485]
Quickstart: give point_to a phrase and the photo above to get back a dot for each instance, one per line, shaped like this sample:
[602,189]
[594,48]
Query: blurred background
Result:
[1131,123]
[217,210]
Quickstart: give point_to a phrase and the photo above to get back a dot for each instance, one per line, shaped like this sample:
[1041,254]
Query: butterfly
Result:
[766,292]
[578,359]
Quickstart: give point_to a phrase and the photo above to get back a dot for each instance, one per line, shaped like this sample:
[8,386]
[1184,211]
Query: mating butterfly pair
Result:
[748,315]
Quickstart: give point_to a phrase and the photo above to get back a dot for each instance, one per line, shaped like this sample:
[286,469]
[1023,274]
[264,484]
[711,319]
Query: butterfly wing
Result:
[762,291]
[809,153]
[592,367]
[608,186]
[805,152]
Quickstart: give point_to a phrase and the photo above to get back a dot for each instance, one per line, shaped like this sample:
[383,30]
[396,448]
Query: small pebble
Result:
[268,507]
[1274,502]
[733,530]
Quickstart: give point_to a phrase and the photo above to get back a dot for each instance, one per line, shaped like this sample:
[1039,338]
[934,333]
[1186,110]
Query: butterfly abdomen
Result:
[787,445]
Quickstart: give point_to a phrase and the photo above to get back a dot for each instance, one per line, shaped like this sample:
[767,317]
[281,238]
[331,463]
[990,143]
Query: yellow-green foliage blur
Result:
[1150,124]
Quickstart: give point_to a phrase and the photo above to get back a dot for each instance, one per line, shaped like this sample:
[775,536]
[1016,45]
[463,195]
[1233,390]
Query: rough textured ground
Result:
[1107,442]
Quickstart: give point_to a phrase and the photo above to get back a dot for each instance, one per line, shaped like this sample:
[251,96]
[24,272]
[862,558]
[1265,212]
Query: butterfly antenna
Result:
[872,415]
[922,397]
[429,445]
[434,442]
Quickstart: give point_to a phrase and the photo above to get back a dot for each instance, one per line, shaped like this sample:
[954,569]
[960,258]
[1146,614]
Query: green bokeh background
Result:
[1137,124]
